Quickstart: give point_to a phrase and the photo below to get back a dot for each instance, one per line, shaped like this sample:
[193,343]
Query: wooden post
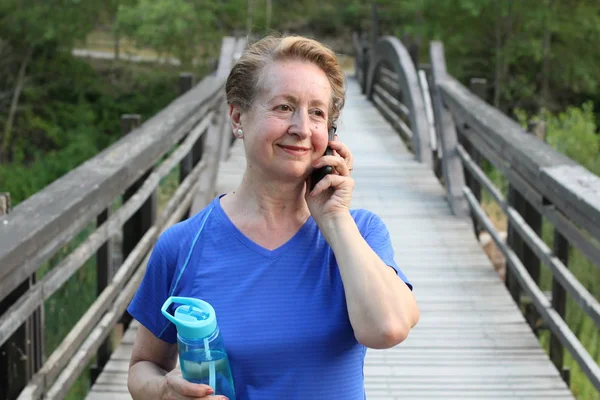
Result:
[515,242]
[104,276]
[413,50]
[454,175]
[530,260]
[5,203]
[436,154]
[559,303]
[186,82]
[470,181]
[365,67]
[537,128]
[141,220]
[21,355]
[374,26]
[477,86]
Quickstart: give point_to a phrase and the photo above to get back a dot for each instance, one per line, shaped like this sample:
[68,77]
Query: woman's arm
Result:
[381,306]
[151,359]
[152,373]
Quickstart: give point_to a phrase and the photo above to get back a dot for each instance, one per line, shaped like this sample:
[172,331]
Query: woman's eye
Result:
[319,113]
[284,107]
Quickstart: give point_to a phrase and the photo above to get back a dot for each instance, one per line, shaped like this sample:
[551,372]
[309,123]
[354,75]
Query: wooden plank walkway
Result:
[471,341]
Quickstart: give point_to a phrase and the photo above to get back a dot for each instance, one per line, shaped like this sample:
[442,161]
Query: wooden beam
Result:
[446,131]
[562,182]
[35,296]
[391,52]
[65,351]
[556,261]
[172,214]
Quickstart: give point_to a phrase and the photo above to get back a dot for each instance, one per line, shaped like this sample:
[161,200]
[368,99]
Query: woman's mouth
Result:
[295,150]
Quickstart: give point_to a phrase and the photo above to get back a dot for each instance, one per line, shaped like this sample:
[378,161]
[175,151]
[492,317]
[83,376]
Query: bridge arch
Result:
[393,85]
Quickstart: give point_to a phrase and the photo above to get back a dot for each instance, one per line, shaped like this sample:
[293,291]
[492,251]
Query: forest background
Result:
[59,108]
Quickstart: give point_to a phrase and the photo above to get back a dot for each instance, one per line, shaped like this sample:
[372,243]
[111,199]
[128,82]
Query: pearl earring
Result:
[239,133]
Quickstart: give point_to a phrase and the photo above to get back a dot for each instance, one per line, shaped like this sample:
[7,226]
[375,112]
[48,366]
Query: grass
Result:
[580,324]
[65,307]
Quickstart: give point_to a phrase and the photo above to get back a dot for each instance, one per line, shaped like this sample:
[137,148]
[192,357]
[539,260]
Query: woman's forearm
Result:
[145,380]
[381,307]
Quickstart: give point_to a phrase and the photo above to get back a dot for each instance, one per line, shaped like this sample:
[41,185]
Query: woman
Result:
[301,284]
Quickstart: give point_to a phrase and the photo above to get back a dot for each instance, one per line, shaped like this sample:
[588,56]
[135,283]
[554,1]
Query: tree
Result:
[28,27]
[170,27]
[533,53]
[111,8]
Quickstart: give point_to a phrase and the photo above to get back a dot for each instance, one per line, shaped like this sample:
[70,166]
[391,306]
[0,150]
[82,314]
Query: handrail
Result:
[389,59]
[41,225]
[559,180]
[542,182]
[446,131]
[49,219]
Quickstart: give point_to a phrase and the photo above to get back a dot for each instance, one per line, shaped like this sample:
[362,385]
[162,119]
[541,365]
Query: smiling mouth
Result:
[294,149]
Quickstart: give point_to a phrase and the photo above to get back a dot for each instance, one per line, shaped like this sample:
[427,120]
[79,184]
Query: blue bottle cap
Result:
[194,319]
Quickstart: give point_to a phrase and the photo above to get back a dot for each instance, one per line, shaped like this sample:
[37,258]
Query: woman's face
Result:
[285,129]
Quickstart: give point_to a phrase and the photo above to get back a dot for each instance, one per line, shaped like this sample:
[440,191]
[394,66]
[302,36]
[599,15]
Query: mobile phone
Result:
[320,173]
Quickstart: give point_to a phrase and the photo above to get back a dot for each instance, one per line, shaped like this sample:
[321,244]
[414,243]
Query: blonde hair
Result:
[243,81]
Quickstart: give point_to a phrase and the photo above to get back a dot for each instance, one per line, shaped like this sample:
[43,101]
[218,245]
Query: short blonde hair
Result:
[243,81]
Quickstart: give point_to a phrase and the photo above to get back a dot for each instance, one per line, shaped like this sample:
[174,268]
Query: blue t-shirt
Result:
[282,313]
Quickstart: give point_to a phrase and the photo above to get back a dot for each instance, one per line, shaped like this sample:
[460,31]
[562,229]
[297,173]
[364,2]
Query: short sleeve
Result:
[378,237]
[154,290]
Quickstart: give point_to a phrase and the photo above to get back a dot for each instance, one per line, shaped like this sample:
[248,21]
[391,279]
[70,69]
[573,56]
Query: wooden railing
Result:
[189,135]
[542,183]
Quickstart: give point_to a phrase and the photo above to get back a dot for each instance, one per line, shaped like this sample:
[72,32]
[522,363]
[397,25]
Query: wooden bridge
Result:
[420,140]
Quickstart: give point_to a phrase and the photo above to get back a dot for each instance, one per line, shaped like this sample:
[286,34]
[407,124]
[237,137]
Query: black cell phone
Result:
[320,173]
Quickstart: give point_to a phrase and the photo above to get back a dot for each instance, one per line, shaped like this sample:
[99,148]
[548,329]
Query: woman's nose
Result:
[300,124]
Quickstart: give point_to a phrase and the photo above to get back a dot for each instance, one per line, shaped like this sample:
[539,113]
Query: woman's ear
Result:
[235,115]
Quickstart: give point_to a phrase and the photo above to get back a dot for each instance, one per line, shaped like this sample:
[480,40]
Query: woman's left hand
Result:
[332,195]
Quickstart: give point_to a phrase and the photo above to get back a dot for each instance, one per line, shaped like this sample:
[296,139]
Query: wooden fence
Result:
[455,131]
[190,135]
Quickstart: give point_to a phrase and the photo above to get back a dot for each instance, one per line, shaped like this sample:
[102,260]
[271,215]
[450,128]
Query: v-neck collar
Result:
[250,244]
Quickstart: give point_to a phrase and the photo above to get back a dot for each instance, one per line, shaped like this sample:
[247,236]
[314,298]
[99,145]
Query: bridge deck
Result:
[471,341]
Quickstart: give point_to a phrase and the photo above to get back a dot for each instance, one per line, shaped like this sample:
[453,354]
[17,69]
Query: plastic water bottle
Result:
[201,348]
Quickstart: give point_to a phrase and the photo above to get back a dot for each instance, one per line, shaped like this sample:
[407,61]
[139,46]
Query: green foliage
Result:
[579,323]
[27,23]
[66,121]
[571,132]
[23,180]
[504,42]
[175,27]
[69,110]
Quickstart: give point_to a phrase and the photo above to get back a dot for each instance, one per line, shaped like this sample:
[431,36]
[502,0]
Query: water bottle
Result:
[201,348]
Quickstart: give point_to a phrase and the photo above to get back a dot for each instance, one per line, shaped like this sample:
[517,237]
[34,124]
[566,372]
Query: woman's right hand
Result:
[174,387]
